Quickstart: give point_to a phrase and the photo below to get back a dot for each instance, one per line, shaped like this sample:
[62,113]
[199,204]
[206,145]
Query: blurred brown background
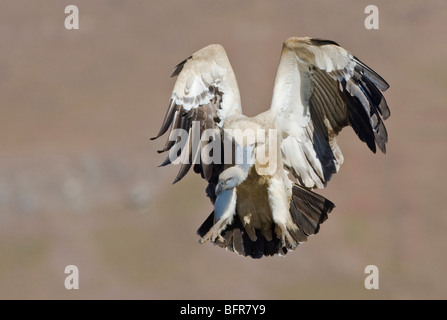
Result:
[79,182]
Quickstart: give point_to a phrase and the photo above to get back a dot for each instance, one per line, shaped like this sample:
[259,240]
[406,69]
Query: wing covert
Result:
[320,88]
[205,94]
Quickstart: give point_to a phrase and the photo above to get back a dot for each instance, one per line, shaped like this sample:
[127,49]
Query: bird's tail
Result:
[307,209]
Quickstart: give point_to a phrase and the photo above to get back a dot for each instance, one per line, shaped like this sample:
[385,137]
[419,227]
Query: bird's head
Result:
[230,178]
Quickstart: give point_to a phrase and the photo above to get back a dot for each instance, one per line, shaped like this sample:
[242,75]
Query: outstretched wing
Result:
[204,96]
[321,88]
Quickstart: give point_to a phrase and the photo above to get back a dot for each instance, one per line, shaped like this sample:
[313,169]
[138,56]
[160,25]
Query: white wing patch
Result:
[319,89]
[206,92]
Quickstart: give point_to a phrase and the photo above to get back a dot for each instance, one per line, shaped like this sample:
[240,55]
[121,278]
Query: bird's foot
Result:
[215,232]
[287,240]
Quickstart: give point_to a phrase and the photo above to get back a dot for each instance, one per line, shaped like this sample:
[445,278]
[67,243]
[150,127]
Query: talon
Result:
[220,238]
[214,233]
[287,240]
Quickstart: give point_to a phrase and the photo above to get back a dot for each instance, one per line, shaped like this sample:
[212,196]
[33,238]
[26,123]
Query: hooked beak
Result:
[218,189]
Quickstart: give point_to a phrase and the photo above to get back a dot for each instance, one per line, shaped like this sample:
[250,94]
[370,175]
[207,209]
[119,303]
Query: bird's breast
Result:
[252,202]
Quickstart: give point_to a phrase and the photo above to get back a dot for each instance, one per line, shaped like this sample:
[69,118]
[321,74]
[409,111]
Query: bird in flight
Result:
[264,205]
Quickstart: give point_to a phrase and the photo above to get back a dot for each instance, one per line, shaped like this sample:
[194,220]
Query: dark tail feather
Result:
[237,239]
[308,211]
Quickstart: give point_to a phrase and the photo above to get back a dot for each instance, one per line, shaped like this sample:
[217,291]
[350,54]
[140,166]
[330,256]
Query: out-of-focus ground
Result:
[79,182]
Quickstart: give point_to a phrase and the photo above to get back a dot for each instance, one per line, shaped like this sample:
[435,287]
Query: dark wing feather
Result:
[197,105]
[323,88]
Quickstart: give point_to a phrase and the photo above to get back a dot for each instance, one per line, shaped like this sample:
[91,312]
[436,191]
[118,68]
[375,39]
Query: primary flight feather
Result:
[265,206]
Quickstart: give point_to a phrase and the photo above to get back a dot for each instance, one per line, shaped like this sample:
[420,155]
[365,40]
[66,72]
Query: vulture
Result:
[265,205]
